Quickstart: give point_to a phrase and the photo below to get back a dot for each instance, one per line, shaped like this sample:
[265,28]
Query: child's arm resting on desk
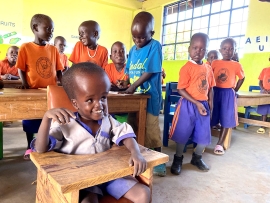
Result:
[145,76]
[199,105]
[62,116]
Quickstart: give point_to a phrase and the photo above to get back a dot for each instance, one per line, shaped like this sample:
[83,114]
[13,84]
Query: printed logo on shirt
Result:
[202,85]
[222,75]
[44,67]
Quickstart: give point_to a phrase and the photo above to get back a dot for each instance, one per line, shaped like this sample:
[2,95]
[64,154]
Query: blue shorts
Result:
[188,122]
[263,109]
[31,126]
[116,188]
[225,108]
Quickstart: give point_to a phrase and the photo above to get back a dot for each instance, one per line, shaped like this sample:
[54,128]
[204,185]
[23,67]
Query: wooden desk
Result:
[12,83]
[17,104]
[246,98]
[61,176]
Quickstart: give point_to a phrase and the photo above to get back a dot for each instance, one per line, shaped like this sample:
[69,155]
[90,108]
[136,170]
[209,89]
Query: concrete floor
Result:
[241,175]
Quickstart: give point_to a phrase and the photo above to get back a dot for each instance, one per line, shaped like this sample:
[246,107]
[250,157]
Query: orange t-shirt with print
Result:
[265,77]
[40,63]
[114,75]
[196,80]
[225,73]
[64,60]
[82,53]
[6,69]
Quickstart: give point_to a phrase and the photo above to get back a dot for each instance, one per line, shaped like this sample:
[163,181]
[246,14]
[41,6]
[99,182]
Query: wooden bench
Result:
[61,176]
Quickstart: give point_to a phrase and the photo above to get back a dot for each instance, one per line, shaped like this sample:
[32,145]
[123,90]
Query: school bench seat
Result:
[249,109]
[61,176]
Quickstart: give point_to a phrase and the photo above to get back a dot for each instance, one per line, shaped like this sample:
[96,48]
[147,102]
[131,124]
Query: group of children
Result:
[87,84]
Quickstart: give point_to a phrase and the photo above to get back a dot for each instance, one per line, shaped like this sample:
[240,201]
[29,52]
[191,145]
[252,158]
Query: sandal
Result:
[26,155]
[261,131]
[219,150]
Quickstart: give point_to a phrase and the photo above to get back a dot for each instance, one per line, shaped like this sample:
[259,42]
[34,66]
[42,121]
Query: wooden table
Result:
[61,176]
[17,104]
[246,98]
[12,83]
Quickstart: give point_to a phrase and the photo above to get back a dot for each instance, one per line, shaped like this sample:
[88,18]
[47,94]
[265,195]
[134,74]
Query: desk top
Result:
[73,172]
[247,94]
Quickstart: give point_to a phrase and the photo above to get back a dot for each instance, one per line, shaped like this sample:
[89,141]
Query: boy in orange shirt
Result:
[116,70]
[87,49]
[60,43]
[264,82]
[211,56]
[225,108]
[193,110]
[39,66]
[8,70]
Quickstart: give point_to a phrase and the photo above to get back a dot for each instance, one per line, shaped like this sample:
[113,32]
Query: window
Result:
[217,18]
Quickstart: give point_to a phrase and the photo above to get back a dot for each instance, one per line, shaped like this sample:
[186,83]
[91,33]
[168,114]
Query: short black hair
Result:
[212,51]
[144,18]
[59,38]
[38,18]
[200,35]
[85,68]
[230,40]
[117,42]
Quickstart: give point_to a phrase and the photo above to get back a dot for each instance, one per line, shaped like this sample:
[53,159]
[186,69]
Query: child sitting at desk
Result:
[264,83]
[39,66]
[87,49]
[91,130]
[116,70]
[8,70]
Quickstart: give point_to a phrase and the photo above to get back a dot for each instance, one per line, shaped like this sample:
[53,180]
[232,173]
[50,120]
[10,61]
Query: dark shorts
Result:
[31,126]
[263,109]
[188,122]
[225,108]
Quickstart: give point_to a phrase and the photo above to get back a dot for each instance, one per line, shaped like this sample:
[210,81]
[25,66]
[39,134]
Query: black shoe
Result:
[197,161]
[177,165]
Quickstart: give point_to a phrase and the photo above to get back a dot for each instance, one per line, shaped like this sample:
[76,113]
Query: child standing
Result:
[264,82]
[87,49]
[60,43]
[144,72]
[192,115]
[39,66]
[116,70]
[91,130]
[8,70]
[225,107]
[211,56]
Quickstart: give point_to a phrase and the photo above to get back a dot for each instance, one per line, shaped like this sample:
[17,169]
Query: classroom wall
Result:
[114,20]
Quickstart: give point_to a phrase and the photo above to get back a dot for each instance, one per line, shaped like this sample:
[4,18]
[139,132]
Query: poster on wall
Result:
[257,44]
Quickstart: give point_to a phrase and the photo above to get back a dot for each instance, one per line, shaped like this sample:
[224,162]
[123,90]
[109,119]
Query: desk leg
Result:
[141,118]
[1,140]
[227,141]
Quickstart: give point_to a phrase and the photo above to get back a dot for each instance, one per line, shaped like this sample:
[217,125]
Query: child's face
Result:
[91,96]
[141,35]
[118,55]
[60,45]
[197,49]
[12,55]
[44,30]
[88,36]
[211,57]
[227,50]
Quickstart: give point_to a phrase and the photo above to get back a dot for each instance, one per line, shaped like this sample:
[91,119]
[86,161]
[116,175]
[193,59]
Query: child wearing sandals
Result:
[264,83]
[225,107]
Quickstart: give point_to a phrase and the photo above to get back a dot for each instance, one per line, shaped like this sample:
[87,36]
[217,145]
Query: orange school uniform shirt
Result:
[225,73]
[265,77]
[64,60]
[82,53]
[196,80]
[40,64]
[6,69]
[113,74]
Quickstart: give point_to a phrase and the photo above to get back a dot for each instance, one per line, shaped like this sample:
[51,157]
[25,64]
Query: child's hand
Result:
[138,162]
[60,115]
[130,90]
[122,84]
[201,109]
[6,77]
